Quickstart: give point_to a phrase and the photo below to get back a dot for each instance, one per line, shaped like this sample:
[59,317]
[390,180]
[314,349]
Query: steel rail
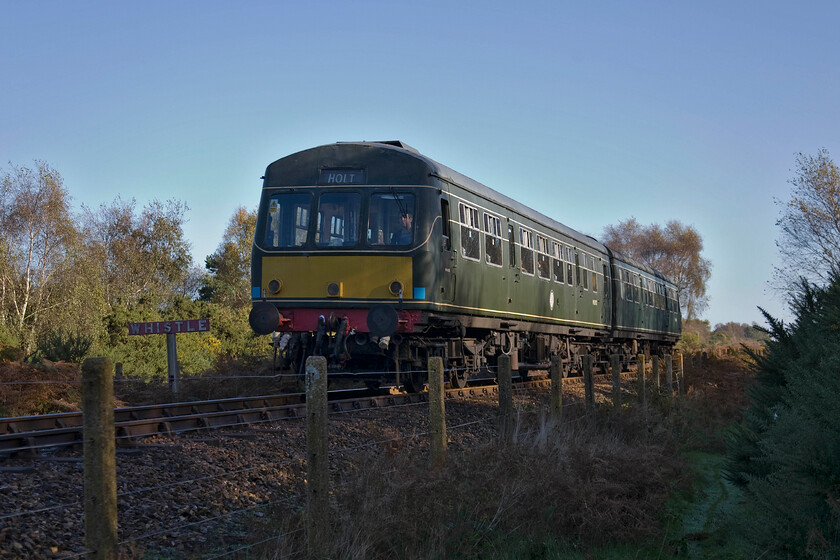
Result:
[48,432]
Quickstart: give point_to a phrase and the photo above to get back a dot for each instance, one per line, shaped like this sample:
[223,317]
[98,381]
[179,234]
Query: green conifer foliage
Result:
[786,451]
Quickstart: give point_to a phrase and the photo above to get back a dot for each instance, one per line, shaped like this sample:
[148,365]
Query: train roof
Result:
[624,259]
[452,176]
[296,170]
[432,169]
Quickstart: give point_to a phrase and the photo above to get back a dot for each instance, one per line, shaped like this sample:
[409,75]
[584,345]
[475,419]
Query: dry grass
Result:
[227,380]
[49,387]
[579,485]
[574,483]
[27,389]
[715,397]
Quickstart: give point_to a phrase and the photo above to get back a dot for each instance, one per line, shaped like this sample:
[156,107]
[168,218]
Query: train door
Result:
[578,287]
[594,288]
[448,262]
[607,305]
[514,279]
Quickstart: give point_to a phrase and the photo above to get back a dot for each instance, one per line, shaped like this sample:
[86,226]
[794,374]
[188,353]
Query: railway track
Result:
[44,434]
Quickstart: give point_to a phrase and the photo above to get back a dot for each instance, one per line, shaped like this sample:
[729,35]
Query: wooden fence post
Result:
[437,412]
[669,375]
[615,366]
[317,457]
[654,374]
[681,375]
[100,459]
[641,378]
[589,385]
[505,401]
[556,411]
[172,363]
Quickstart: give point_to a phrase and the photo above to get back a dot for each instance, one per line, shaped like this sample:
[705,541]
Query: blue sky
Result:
[591,112]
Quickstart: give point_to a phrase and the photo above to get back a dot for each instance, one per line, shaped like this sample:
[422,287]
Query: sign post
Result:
[170,329]
[172,362]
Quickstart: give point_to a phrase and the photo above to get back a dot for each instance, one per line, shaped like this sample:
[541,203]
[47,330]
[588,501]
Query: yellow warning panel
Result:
[343,276]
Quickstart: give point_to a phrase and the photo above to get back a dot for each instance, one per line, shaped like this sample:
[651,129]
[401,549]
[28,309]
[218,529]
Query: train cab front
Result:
[341,272]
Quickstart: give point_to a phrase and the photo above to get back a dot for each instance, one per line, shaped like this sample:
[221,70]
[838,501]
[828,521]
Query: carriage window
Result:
[512,246]
[526,242]
[543,260]
[606,282]
[628,286]
[557,253]
[391,220]
[585,264]
[288,220]
[470,244]
[444,225]
[338,219]
[493,239]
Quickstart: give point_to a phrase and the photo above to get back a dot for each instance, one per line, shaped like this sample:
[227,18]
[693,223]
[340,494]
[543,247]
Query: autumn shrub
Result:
[11,354]
[6,337]
[689,342]
[27,389]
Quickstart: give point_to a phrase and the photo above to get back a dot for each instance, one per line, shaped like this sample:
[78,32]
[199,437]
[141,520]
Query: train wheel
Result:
[458,379]
[414,382]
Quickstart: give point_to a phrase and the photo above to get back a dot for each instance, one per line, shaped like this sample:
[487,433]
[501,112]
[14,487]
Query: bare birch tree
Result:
[809,241]
[37,232]
[141,256]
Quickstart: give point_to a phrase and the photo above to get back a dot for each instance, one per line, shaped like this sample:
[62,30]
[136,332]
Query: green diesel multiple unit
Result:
[378,257]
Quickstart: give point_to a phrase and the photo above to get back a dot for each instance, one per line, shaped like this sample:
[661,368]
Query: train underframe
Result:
[470,349]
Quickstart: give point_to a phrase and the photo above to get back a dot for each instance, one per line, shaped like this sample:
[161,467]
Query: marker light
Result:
[395,288]
[333,289]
